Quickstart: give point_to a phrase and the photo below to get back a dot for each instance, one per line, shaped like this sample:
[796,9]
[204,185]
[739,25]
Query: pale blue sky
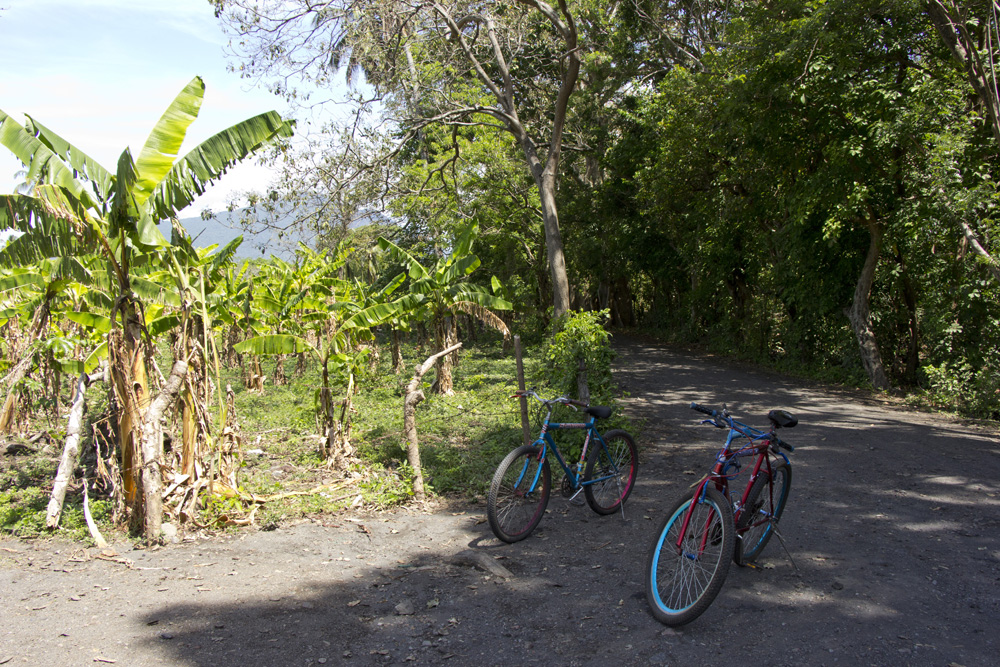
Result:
[101,72]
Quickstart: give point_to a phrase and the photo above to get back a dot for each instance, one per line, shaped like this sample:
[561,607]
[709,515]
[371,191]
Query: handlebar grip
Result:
[783,444]
[577,403]
[702,409]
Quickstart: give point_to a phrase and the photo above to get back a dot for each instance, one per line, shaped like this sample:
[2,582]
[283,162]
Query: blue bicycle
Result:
[605,472]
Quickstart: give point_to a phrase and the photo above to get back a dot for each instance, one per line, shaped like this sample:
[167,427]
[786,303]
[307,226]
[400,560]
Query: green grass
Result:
[25,487]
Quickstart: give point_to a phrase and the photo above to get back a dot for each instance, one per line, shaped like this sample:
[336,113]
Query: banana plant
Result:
[193,283]
[35,293]
[333,322]
[79,207]
[444,291]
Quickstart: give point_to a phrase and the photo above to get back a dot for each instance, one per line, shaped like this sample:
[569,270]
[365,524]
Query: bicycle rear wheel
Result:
[681,582]
[615,466]
[518,494]
[762,510]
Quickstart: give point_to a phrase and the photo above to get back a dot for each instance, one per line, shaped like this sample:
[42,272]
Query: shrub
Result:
[576,337]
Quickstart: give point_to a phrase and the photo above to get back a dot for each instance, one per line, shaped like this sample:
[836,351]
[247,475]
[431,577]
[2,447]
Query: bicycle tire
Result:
[606,496]
[681,584]
[512,509]
[751,539]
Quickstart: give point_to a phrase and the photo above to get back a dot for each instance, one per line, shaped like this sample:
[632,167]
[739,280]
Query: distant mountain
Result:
[224,227]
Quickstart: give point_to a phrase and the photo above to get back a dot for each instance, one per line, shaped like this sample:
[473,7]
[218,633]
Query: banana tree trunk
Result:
[397,354]
[131,386]
[444,384]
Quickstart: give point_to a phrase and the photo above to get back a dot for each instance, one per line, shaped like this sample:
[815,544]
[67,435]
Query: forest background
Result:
[805,185]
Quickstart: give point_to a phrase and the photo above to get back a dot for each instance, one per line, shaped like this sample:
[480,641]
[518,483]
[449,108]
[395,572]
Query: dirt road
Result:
[892,531]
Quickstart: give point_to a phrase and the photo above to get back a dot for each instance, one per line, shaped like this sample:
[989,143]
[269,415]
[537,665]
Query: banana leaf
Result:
[44,166]
[163,145]
[207,162]
[91,321]
[88,168]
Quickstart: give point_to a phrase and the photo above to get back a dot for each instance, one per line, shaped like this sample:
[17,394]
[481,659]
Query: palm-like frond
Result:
[163,145]
[191,175]
[51,226]
[415,268]
[483,314]
[274,344]
[86,167]
[44,166]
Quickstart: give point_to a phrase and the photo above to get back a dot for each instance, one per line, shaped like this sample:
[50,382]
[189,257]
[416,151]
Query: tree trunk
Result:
[131,387]
[950,20]
[280,379]
[860,314]
[414,395]
[443,384]
[397,354]
[545,180]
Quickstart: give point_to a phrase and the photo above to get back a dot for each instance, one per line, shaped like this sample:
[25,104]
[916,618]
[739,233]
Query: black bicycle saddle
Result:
[782,418]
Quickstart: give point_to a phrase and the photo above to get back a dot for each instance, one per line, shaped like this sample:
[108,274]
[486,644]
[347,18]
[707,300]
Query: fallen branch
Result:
[91,524]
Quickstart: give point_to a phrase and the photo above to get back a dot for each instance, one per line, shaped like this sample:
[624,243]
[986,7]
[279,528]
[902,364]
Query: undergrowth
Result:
[462,439]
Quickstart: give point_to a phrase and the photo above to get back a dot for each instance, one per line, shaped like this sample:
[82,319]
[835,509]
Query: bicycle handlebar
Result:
[715,415]
[702,409]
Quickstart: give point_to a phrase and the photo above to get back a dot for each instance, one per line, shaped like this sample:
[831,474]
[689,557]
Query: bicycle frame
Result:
[759,445]
[545,441]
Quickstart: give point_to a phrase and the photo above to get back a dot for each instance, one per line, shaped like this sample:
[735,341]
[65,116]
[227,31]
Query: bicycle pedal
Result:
[576,500]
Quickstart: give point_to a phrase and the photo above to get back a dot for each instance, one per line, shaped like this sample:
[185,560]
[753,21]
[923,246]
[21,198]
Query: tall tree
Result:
[504,65]
[971,31]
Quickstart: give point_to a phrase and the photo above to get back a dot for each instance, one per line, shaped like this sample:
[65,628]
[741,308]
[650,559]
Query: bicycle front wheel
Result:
[519,494]
[614,468]
[682,581]
[763,508]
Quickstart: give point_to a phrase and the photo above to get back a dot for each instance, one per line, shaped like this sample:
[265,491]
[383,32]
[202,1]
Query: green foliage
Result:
[580,337]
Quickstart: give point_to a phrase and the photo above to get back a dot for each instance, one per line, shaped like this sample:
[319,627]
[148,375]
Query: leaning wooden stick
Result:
[71,452]
[414,394]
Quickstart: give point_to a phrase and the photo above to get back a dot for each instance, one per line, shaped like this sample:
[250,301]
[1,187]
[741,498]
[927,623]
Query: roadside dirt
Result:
[891,530]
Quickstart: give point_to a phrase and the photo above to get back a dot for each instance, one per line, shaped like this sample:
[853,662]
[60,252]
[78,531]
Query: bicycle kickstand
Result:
[777,533]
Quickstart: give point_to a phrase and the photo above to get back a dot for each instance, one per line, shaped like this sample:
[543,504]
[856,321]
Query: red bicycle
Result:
[689,559]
